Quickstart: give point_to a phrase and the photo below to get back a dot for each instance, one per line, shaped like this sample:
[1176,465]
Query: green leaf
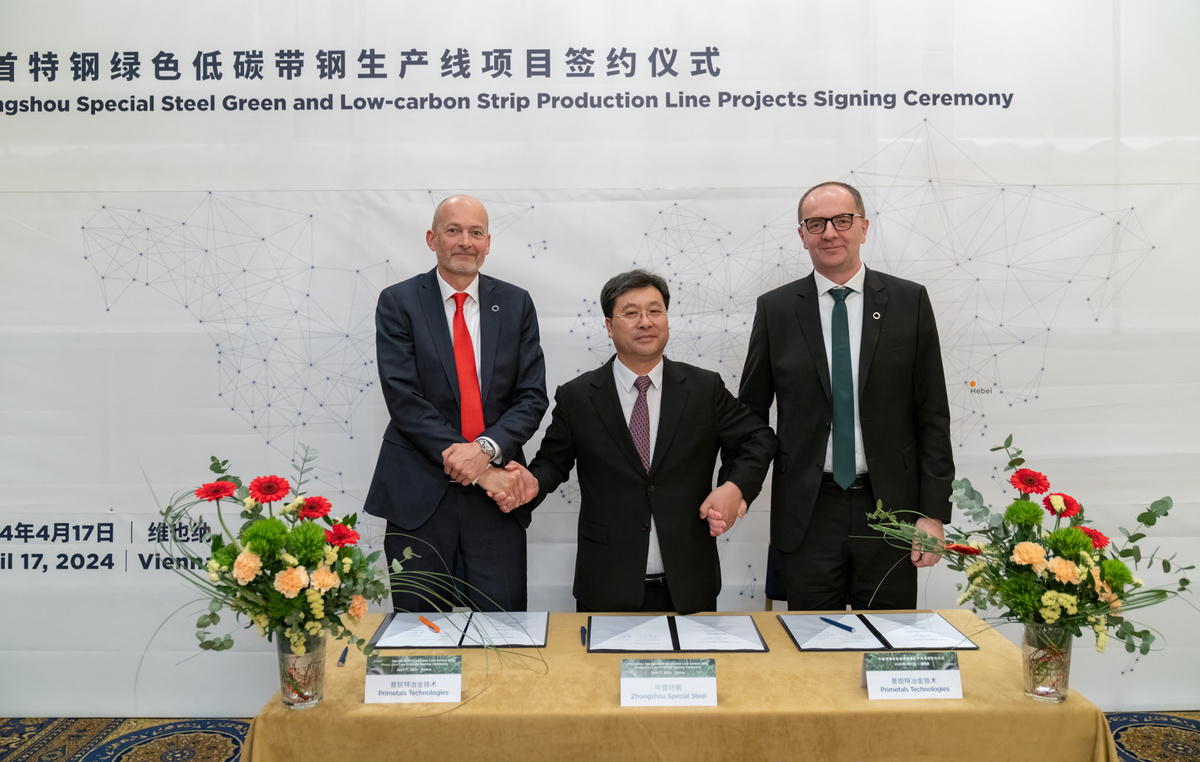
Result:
[214,606]
[1129,646]
[214,618]
[408,553]
[1016,462]
[1162,506]
[1008,441]
[1166,566]
[204,620]
[1137,537]
[396,567]
[1137,554]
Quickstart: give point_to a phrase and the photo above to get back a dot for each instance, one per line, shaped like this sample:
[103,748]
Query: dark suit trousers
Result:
[470,552]
[843,561]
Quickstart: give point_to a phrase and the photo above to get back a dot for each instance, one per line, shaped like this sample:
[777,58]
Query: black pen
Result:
[845,627]
[583,636]
[342,661]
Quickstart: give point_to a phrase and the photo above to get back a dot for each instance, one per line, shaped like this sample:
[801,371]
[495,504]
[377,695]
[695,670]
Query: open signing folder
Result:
[908,631]
[674,633]
[467,629]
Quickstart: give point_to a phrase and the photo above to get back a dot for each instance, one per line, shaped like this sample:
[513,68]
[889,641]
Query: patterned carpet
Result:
[34,739]
[1140,737]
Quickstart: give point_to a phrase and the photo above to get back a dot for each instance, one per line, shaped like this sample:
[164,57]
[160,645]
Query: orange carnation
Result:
[358,607]
[325,580]
[1030,554]
[1064,570]
[247,566]
[291,581]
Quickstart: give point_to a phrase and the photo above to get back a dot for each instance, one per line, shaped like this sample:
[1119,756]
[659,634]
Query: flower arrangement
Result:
[1069,574]
[291,569]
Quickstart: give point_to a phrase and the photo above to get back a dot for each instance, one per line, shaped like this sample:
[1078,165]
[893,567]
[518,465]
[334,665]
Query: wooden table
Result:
[561,703]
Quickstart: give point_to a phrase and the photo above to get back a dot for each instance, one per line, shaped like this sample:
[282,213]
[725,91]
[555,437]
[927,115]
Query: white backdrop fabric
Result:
[186,273]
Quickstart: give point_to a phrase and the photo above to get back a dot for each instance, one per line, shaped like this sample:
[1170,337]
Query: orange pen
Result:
[429,624]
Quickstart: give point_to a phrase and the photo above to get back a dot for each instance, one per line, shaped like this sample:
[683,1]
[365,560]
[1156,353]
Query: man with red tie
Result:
[462,373]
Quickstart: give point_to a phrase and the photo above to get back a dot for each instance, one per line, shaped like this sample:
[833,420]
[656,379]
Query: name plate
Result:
[668,682]
[912,675]
[414,679]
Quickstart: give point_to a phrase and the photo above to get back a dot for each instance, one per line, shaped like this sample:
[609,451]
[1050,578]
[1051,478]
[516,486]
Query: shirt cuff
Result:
[499,457]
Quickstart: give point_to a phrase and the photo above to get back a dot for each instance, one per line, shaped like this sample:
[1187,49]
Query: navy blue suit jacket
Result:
[420,385]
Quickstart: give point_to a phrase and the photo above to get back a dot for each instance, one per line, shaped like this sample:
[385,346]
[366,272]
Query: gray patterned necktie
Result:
[639,422]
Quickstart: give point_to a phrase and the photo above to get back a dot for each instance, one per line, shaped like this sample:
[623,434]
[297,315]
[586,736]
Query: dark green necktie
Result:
[843,393]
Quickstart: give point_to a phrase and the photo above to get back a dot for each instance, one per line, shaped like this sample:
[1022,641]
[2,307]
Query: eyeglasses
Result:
[841,223]
[632,315]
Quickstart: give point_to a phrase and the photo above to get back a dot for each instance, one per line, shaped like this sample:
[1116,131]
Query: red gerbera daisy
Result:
[1099,541]
[1070,506]
[966,550]
[216,490]
[314,507]
[1029,481]
[268,489]
[341,536]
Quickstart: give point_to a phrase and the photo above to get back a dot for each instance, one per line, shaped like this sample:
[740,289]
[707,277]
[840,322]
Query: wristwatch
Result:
[488,448]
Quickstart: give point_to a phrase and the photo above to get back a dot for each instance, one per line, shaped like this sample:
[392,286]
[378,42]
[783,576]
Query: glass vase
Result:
[301,675]
[1046,656]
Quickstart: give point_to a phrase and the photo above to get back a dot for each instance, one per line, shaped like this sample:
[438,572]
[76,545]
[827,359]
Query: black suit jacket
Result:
[697,418]
[903,409]
[420,385]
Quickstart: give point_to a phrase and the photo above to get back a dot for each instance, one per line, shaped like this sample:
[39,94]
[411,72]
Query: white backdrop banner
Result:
[202,201]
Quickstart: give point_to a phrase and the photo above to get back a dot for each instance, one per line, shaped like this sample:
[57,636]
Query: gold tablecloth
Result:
[562,703]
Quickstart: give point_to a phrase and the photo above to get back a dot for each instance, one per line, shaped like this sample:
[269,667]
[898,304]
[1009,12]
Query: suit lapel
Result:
[808,316]
[672,400]
[874,304]
[439,331]
[608,407]
[489,329]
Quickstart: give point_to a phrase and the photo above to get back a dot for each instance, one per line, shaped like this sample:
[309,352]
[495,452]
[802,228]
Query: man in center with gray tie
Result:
[644,432]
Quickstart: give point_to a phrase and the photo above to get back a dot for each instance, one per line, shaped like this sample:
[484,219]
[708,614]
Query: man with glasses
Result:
[644,433]
[851,358]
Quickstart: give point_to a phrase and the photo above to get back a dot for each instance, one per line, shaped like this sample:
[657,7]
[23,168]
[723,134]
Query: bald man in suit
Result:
[461,368]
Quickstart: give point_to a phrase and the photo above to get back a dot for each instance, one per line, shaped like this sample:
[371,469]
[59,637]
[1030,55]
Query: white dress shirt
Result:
[471,316]
[854,320]
[628,395]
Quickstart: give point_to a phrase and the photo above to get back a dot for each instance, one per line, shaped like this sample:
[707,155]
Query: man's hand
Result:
[723,506]
[510,488]
[504,487]
[933,528]
[465,462]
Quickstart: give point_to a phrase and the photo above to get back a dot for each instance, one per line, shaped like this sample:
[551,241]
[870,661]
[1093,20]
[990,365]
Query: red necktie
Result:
[468,379]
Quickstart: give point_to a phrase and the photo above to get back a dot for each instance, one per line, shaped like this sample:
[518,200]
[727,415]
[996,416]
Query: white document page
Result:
[630,633]
[918,631]
[408,631]
[812,633]
[503,628]
[718,633]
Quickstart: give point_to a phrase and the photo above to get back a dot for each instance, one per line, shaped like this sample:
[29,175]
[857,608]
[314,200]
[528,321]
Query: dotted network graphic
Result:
[1002,262]
[293,341]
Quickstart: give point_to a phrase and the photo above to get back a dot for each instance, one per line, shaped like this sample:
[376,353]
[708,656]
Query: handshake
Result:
[511,486]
